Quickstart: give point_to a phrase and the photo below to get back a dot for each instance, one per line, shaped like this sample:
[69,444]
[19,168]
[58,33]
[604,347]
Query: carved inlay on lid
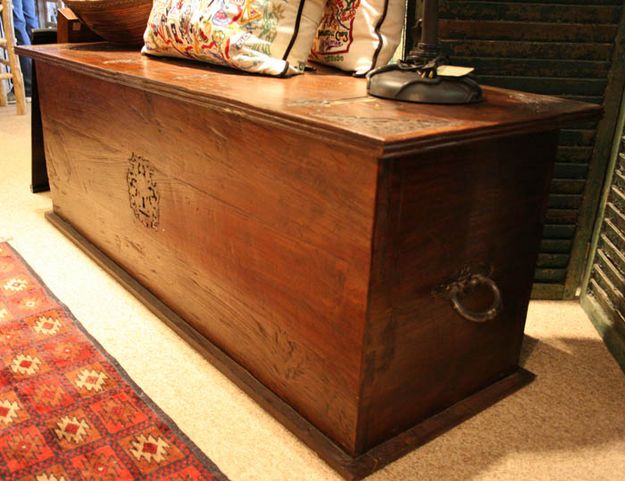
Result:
[384,126]
[144,198]
[325,102]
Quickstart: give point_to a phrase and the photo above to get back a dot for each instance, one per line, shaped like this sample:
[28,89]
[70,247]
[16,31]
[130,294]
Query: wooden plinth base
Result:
[349,467]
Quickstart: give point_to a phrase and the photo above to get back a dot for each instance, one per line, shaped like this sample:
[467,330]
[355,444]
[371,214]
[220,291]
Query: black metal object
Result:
[418,78]
[412,28]
[39,173]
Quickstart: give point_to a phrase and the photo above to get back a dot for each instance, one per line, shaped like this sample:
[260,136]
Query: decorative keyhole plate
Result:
[142,191]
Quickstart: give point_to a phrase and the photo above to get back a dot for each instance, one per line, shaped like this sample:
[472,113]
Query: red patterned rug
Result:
[68,411]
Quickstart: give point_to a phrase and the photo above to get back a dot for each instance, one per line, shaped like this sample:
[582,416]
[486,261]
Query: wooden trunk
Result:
[301,233]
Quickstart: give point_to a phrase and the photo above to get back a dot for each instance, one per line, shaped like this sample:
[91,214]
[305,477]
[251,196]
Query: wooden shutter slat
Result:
[561,216]
[570,170]
[555,245]
[616,276]
[533,68]
[549,275]
[536,12]
[567,186]
[558,2]
[574,154]
[565,201]
[552,260]
[613,233]
[604,301]
[548,86]
[554,231]
[616,216]
[577,137]
[612,252]
[525,31]
[528,50]
[617,196]
[607,286]
[619,181]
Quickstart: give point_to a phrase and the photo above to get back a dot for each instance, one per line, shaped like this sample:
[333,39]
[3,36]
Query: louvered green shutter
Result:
[554,47]
[604,288]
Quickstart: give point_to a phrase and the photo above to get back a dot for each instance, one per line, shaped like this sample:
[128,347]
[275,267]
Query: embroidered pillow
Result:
[359,35]
[270,37]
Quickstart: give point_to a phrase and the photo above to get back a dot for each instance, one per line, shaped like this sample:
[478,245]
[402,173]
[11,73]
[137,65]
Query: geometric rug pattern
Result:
[68,411]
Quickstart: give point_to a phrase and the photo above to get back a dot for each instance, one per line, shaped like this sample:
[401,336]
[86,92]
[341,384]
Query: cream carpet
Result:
[568,425]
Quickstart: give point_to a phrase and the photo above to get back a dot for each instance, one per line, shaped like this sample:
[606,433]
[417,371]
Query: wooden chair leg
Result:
[3,95]
[18,87]
[14,66]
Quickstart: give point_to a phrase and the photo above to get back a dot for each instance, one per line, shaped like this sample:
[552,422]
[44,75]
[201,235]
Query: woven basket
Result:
[118,21]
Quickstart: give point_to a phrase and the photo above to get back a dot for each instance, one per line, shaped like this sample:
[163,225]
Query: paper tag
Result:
[453,71]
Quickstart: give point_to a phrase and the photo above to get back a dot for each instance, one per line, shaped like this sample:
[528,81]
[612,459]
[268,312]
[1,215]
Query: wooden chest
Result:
[361,267]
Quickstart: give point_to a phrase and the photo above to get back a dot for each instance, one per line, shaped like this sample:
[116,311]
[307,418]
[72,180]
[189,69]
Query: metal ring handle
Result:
[489,314]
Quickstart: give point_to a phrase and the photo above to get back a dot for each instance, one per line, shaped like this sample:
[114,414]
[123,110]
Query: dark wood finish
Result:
[71,30]
[432,193]
[39,174]
[323,104]
[302,227]
[348,466]
[292,263]
[572,48]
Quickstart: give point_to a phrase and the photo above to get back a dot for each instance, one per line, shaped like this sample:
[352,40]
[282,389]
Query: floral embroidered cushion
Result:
[359,35]
[270,37]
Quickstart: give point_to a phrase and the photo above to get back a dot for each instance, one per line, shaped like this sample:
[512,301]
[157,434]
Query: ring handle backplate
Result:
[454,291]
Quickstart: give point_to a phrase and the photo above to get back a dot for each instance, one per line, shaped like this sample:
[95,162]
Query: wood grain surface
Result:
[262,242]
[349,466]
[479,207]
[325,102]
[118,21]
[303,228]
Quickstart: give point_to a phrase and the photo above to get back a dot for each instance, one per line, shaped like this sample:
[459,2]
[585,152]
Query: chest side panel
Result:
[475,208]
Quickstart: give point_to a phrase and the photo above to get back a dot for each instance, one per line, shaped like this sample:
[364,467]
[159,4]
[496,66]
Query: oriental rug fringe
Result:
[68,411]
